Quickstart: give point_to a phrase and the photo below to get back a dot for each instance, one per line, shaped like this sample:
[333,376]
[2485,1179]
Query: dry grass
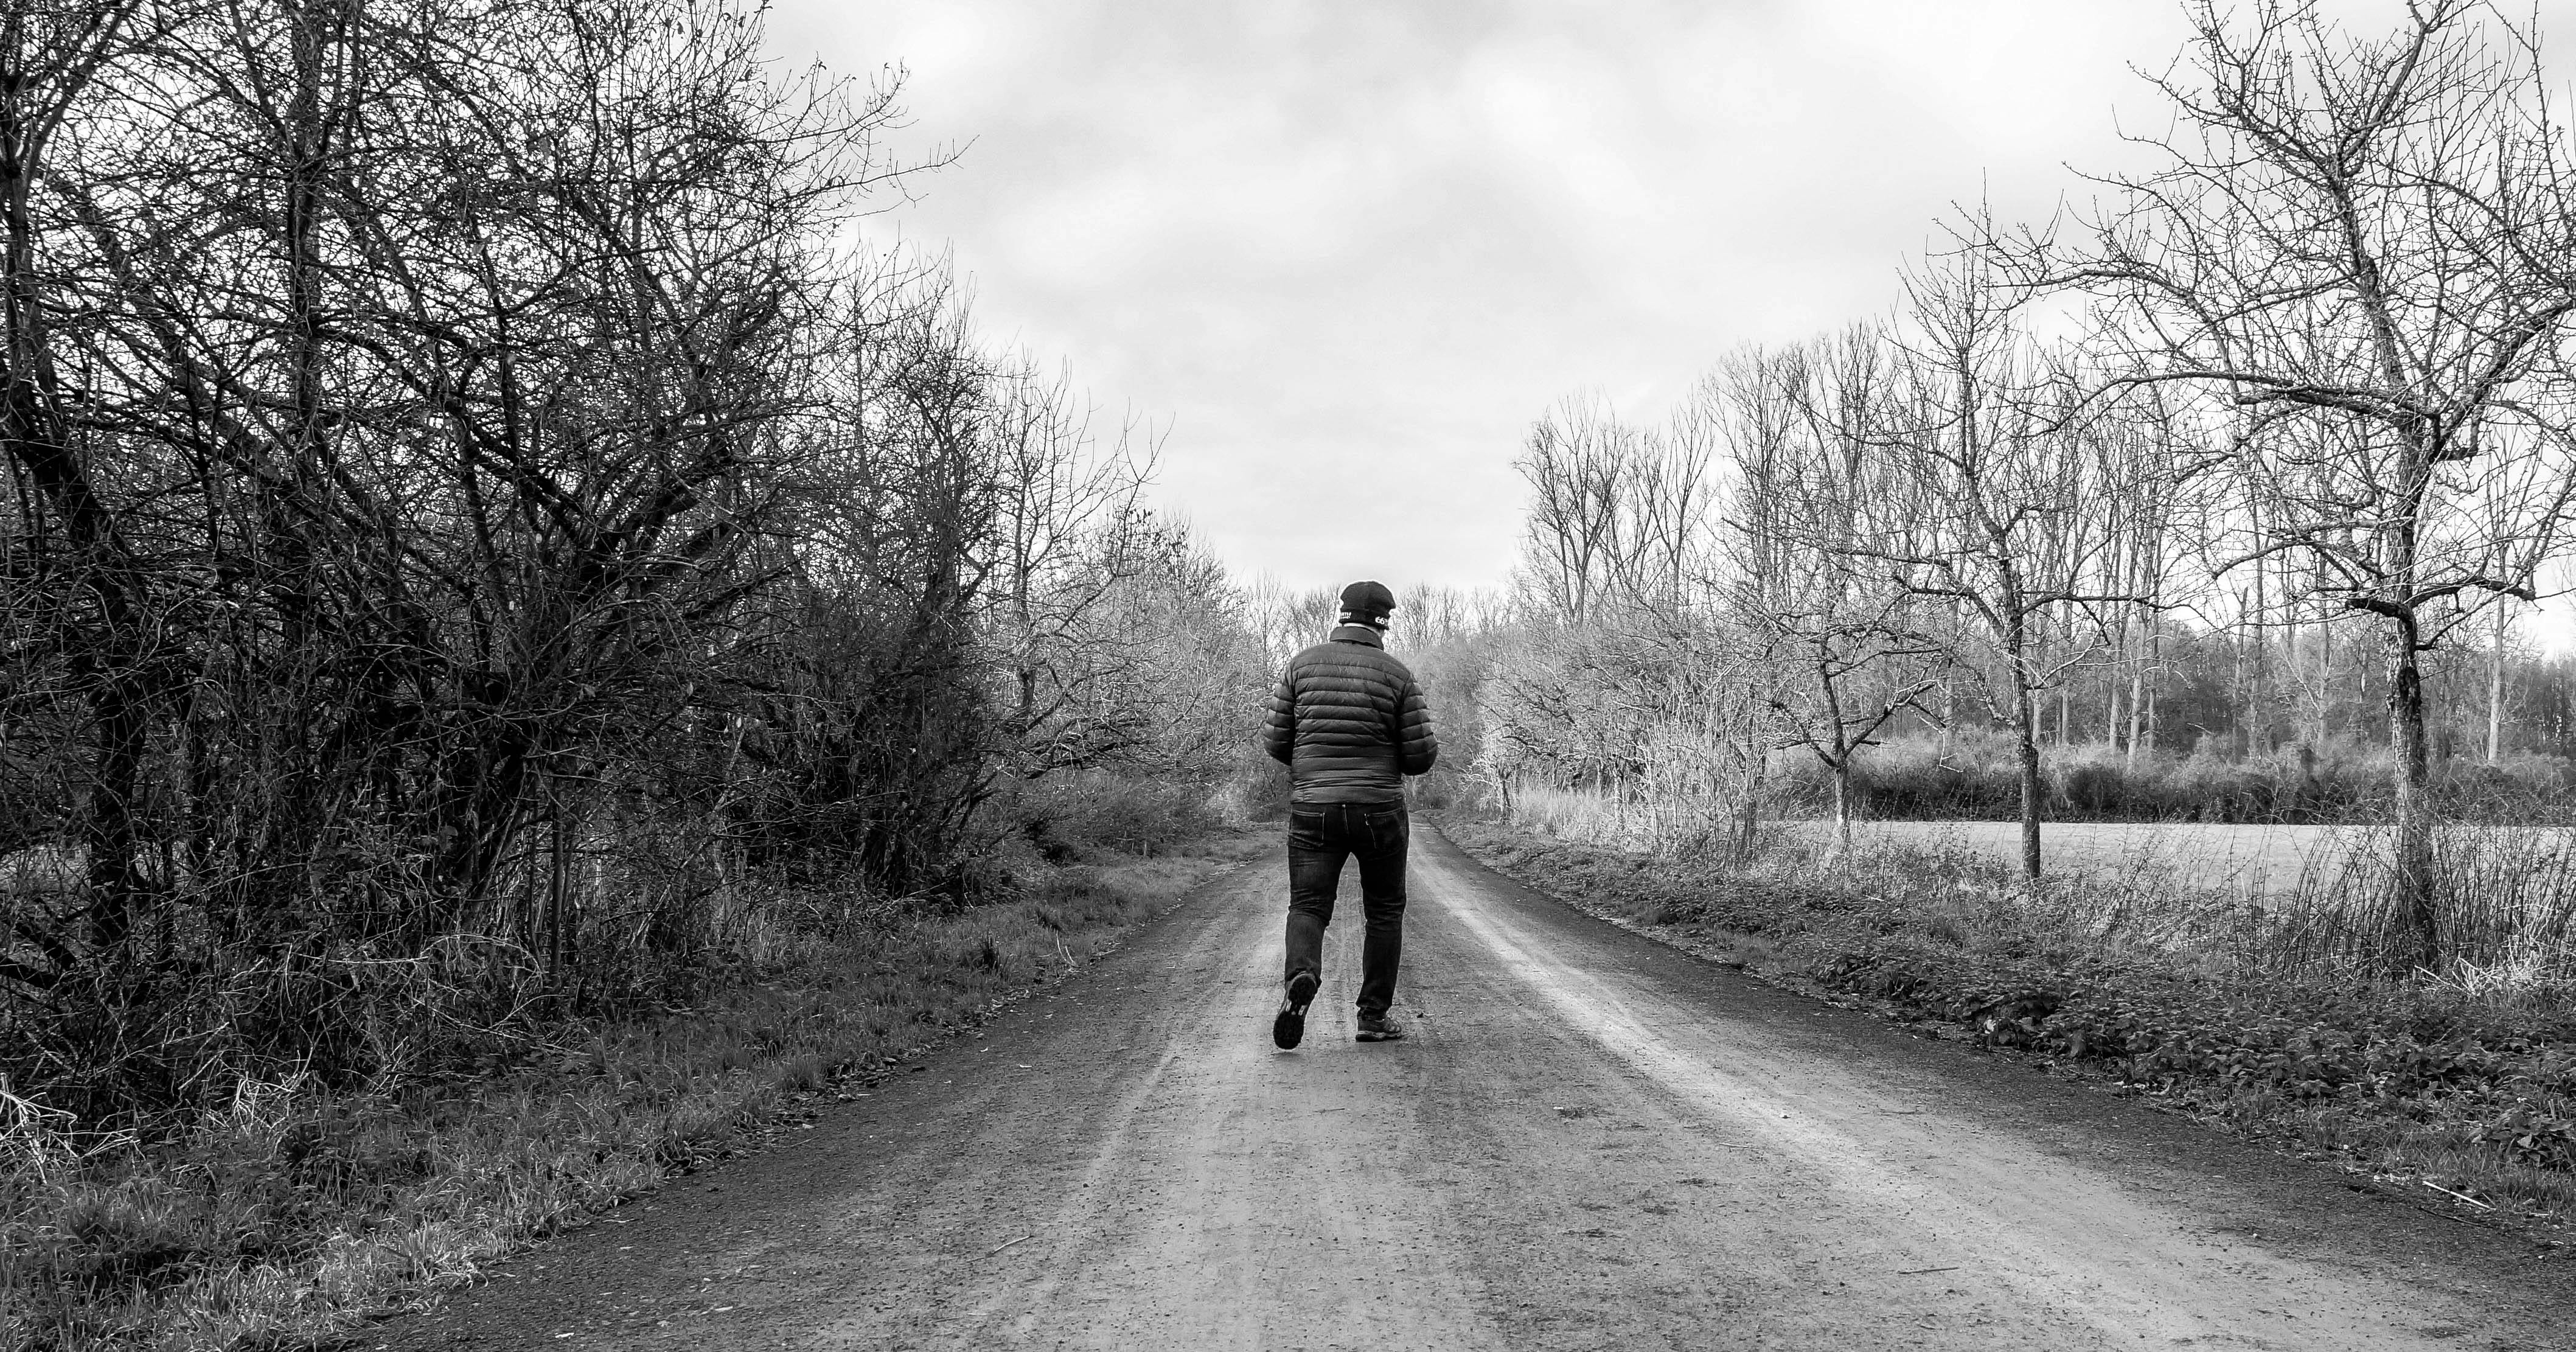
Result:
[2276,860]
[2259,858]
[1696,826]
[293,1213]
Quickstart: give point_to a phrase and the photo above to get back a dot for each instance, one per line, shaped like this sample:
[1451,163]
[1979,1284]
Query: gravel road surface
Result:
[1590,1141]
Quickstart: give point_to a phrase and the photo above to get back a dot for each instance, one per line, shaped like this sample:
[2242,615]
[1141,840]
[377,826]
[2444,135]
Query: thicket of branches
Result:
[479,523]
[2279,432]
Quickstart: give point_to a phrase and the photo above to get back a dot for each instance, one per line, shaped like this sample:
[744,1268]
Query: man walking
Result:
[1349,722]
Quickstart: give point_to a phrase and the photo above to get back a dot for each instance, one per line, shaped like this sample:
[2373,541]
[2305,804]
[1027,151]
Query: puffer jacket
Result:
[1349,722]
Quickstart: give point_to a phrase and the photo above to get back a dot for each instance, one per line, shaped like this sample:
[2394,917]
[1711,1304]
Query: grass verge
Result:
[2472,1094]
[296,1217]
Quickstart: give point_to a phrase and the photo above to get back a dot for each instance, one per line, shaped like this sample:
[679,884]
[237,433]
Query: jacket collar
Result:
[1357,633]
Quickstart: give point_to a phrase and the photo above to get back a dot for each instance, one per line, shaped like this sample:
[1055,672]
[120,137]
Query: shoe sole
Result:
[1388,1036]
[1289,1028]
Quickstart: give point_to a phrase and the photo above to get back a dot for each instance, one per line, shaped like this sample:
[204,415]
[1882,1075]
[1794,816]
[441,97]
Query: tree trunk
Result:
[104,657]
[1749,819]
[1842,806]
[2495,689]
[2416,903]
[2294,686]
[1840,762]
[2239,741]
[2138,698]
[558,879]
[2325,668]
[2259,734]
[2111,720]
[2030,791]
[1949,719]
[2025,724]
[2116,635]
[2155,653]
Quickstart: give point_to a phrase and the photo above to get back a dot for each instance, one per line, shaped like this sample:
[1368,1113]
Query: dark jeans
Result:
[1319,839]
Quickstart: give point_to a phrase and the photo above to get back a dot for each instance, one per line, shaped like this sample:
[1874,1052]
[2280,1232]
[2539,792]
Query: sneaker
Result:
[1289,1028]
[1378,1028]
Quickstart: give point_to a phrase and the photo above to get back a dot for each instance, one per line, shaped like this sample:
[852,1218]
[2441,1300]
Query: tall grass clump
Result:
[2505,910]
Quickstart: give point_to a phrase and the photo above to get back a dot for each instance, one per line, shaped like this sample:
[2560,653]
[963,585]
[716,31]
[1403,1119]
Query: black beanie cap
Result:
[1368,599]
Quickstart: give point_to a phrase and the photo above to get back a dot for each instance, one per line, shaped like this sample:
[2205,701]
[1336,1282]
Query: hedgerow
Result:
[1977,778]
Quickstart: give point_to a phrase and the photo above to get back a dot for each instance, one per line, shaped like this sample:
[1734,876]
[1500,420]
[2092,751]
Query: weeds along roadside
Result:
[2256,1017]
[292,1211]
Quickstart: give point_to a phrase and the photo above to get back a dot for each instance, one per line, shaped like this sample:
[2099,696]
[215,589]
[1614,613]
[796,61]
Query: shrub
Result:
[1085,816]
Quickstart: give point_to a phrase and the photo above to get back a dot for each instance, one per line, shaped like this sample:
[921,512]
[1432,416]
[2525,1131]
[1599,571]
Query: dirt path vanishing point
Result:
[1591,1141]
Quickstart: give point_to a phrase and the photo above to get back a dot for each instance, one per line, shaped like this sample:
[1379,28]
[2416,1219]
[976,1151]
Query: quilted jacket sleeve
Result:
[1416,745]
[1279,729]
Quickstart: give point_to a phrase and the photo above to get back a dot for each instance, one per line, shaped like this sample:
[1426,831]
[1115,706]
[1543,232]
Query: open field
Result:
[2268,858]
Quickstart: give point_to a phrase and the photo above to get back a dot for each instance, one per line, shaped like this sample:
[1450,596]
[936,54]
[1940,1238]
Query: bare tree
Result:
[1190,674]
[1576,461]
[874,725]
[1801,427]
[396,395]
[1979,498]
[2499,642]
[1620,515]
[2367,248]
[1070,530]
[1286,620]
[1660,726]
[2140,450]
[68,546]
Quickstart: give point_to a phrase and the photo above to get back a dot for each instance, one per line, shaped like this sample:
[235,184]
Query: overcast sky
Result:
[1344,253]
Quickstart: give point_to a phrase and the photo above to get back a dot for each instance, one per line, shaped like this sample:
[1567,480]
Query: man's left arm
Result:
[1279,726]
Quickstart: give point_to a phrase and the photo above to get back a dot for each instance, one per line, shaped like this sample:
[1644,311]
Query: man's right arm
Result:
[1279,729]
[1416,746]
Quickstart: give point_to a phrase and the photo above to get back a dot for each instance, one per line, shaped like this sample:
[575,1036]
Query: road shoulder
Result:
[2482,1244]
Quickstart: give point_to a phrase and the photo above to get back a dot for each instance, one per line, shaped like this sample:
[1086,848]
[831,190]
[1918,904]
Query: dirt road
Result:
[1591,1141]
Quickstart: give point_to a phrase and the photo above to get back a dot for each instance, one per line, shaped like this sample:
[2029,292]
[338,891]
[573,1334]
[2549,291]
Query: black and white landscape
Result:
[634,637]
